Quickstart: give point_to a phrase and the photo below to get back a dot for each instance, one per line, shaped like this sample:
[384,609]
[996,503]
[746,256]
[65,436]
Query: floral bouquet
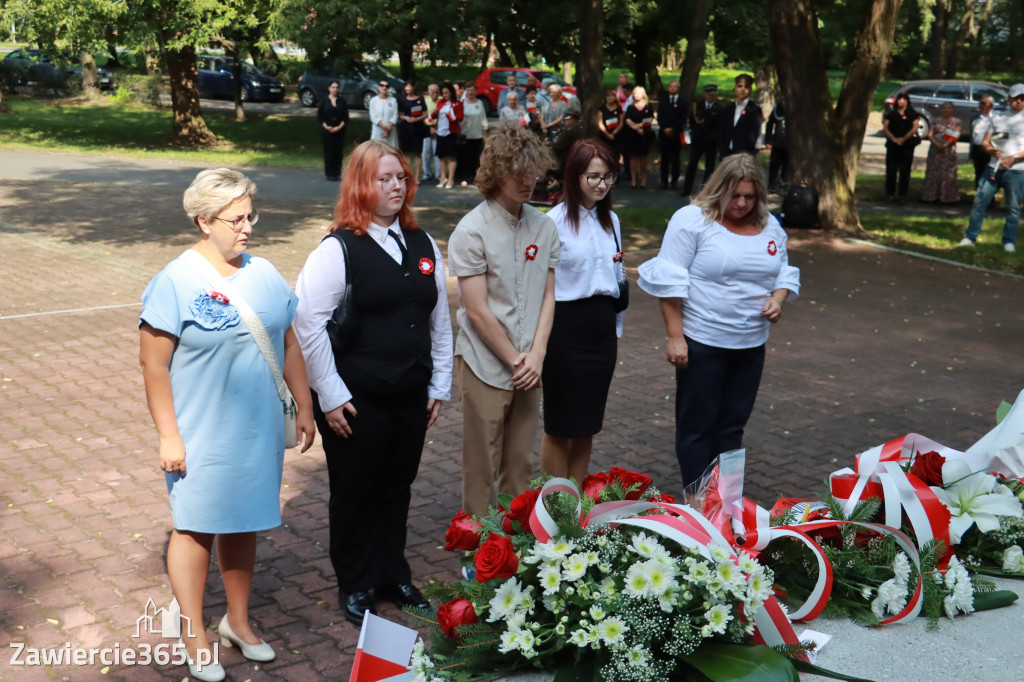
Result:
[616,583]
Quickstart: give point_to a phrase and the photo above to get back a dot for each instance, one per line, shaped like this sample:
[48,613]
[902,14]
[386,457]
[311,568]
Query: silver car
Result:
[927,96]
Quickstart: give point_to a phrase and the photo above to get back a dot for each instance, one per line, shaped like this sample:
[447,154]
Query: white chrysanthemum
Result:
[718,618]
[580,638]
[505,600]
[592,558]
[550,578]
[660,577]
[420,663]
[526,603]
[759,587]
[1013,559]
[515,620]
[612,630]
[878,607]
[747,563]
[645,546]
[866,592]
[509,641]
[574,567]
[893,594]
[605,567]
[698,573]
[901,566]
[668,601]
[526,640]
[561,548]
[560,629]
[719,552]
[638,656]
[596,612]
[636,581]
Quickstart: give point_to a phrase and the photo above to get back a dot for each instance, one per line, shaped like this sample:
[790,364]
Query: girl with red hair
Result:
[374,399]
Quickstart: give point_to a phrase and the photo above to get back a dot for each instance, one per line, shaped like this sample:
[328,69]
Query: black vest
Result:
[393,304]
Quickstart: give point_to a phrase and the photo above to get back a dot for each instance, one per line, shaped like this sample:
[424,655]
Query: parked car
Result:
[217,79]
[928,96]
[358,82]
[30,65]
[492,81]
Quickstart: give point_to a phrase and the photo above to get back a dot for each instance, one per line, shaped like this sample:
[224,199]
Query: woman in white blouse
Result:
[722,276]
[583,345]
[384,115]
[374,399]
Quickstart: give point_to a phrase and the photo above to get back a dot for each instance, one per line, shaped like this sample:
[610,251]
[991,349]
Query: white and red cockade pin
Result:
[531,252]
[772,248]
[426,266]
[217,296]
[617,258]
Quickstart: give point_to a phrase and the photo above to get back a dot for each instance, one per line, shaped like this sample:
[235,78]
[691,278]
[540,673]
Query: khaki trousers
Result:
[499,429]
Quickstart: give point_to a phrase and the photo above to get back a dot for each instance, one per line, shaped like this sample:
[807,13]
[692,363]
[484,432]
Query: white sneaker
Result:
[965,242]
[1009,248]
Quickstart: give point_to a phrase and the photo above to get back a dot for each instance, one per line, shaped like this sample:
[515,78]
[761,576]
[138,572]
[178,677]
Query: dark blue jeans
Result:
[714,398]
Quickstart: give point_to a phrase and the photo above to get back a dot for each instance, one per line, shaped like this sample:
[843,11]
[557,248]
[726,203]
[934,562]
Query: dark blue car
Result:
[217,79]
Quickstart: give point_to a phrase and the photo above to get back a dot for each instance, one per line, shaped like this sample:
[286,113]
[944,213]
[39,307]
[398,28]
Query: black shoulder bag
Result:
[343,327]
[622,302]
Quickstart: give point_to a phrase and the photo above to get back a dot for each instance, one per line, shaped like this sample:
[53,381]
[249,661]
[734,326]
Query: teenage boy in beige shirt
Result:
[504,253]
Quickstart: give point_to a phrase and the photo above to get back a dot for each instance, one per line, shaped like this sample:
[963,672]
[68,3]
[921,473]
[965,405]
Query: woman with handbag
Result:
[722,276]
[590,300]
[216,400]
[379,361]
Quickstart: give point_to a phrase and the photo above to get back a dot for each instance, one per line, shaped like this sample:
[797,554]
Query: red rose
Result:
[455,613]
[928,467]
[663,498]
[594,484]
[463,533]
[506,522]
[630,478]
[521,507]
[496,559]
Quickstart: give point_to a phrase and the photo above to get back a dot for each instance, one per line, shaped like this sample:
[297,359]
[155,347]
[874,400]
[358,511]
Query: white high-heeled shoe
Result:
[210,672]
[261,652]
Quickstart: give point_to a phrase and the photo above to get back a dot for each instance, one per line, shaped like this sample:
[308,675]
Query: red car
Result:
[492,81]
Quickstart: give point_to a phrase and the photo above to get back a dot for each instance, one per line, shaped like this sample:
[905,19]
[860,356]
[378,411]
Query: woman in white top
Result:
[582,348]
[449,117]
[374,399]
[384,115]
[474,123]
[723,266]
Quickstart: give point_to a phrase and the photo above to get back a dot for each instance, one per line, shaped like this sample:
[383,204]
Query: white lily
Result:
[972,499]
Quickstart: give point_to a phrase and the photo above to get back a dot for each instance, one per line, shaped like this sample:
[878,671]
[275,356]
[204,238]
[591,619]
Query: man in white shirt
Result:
[1006,170]
[980,125]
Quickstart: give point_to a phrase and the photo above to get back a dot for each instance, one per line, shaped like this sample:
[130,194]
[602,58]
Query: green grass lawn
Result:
[142,131]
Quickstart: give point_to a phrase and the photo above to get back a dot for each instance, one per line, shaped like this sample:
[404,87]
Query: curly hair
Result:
[359,189]
[714,198]
[511,153]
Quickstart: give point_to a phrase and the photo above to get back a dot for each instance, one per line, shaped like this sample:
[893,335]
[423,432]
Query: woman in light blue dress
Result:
[216,408]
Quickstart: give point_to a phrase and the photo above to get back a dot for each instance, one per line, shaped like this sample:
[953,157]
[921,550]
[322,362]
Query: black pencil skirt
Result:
[578,366]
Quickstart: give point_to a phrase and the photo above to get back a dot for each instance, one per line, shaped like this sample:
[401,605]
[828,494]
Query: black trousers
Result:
[371,474]
[699,148]
[714,398]
[669,146]
[898,161]
[334,146]
[980,159]
[778,168]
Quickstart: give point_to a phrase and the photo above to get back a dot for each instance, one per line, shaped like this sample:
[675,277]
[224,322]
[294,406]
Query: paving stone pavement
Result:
[879,344]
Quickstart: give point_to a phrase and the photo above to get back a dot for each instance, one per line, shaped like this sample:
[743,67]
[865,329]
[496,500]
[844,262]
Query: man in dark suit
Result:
[672,111]
[704,118]
[740,127]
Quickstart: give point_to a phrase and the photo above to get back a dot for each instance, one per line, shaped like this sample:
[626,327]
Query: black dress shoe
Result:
[355,605]
[403,595]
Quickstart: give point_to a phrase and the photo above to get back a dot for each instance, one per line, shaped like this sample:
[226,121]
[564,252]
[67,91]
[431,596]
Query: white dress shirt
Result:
[588,266]
[320,287]
[384,111]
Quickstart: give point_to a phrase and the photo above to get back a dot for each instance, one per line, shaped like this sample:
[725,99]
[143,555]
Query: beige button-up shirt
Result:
[515,254]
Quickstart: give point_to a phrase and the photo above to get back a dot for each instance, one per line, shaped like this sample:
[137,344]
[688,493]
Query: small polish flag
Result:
[383,651]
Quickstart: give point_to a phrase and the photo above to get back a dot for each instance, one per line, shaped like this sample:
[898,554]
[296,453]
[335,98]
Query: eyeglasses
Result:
[236,224]
[387,183]
[383,85]
[594,180]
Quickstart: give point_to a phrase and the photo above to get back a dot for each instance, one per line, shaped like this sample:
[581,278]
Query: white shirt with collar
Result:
[1008,136]
[588,266]
[320,287]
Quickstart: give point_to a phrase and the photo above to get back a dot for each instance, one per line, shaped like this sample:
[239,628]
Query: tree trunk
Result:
[189,128]
[488,46]
[504,58]
[653,77]
[153,57]
[696,48]
[825,142]
[590,64]
[764,95]
[639,65]
[269,61]
[937,53]
[518,47]
[406,67]
[236,72]
[90,76]
[4,109]
[966,25]
[110,36]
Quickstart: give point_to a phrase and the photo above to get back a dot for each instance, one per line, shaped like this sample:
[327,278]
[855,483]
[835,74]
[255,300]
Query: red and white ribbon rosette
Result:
[683,524]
